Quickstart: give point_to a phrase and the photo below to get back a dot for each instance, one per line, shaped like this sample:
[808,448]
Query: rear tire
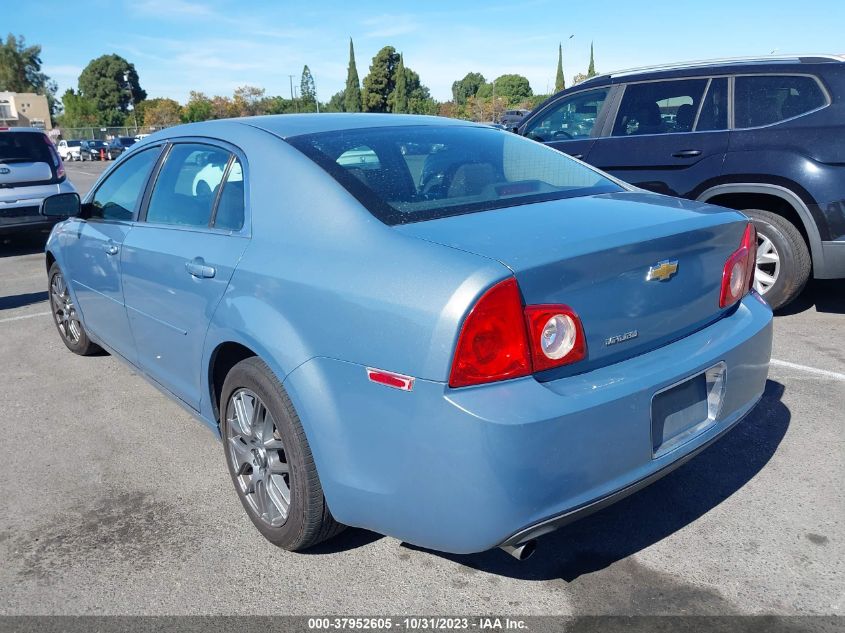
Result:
[269,459]
[783,259]
[65,316]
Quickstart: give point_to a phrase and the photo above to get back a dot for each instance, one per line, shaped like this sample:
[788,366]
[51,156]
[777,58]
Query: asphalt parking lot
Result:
[116,501]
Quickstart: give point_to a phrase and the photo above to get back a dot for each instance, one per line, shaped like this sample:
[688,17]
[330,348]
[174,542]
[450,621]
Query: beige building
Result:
[24,109]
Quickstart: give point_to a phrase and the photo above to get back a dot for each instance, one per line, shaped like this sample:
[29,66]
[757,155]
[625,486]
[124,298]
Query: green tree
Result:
[560,82]
[112,82]
[160,112]
[247,101]
[276,105]
[381,80]
[307,90]
[511,88]
[352,93]
[198,108]
[78,111]
[337,103]
[591,70]
[399,97]
[20,70]
[467,87]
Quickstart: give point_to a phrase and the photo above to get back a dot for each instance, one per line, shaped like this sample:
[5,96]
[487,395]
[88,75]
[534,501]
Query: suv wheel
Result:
[270,461]
[783,259]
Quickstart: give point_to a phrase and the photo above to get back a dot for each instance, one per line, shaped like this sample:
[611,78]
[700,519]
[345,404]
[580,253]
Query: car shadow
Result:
[23,244]
[647,517]
[18,301]
[825,295]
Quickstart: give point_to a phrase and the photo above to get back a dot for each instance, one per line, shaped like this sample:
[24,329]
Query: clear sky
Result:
[217,45]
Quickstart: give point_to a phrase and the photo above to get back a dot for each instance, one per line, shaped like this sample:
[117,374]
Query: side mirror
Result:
[61,205]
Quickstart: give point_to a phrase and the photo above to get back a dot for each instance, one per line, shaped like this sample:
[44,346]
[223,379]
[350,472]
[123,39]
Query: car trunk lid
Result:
[594,254]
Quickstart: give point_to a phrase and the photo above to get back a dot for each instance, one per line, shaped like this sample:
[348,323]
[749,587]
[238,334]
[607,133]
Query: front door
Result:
[178,262]
[92,250]
[667,136]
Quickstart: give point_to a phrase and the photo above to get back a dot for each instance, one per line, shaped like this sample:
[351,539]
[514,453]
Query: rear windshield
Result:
[24,147]
[74,143]
[127,141]
[407,174]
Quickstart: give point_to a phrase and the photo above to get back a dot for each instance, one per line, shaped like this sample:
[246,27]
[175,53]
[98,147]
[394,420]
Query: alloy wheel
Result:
[258,457]
[767,267]
[63,309]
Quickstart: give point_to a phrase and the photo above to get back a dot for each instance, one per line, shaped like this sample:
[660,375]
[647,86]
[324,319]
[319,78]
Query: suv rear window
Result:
[766,99]
[24,147]
[407,174]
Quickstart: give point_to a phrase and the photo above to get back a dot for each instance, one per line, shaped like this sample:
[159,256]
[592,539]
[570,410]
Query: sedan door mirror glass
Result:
[61,205]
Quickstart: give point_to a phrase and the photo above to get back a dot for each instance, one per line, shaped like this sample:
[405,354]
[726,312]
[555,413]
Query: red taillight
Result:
[492,344]
[500,339]
[738,273]
[556,335]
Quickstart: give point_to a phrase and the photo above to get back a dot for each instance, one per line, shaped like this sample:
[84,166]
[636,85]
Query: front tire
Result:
[269,459]
[66,317]
[783,259]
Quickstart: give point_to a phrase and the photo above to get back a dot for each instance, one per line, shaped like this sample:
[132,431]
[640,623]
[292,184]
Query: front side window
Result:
[187,185]
[659,107]
[571,118]
[766,99]
[118,197]
[427,172]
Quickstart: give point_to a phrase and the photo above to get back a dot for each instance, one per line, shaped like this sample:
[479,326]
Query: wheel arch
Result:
[223,358]
[51,259]
[774,198]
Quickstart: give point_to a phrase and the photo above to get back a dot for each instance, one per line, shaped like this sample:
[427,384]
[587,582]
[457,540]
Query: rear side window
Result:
[230,207]
[766,99]
[24,147]
[659,107]
[187,185]
[407,174]
[714,110]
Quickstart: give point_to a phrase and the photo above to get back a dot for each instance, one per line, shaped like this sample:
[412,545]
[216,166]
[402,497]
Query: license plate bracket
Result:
[684,409]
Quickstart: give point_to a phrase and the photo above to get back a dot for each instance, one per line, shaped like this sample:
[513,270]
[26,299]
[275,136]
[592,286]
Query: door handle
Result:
[111,249]
[687,153]
[198,268]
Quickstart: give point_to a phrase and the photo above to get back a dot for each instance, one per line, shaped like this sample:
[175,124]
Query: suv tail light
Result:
[500,339]
[738,274]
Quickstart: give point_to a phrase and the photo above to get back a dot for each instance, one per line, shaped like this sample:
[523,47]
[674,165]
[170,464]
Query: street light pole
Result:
[131,100]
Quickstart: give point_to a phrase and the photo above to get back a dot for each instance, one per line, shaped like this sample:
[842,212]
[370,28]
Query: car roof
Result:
[290,125]
[34,130]
[783,63]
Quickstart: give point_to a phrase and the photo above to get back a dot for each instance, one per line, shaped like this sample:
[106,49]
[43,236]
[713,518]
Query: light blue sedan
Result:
[428,328]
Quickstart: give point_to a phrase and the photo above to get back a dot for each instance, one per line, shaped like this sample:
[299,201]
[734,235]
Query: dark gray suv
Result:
[765,136]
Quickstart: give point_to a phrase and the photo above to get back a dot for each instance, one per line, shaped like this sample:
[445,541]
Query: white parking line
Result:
[809,370]
[24,316]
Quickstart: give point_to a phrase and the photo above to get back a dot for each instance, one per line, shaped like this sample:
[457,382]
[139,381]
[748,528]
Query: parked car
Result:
[30,170]
[512,118]
[463,356]
[70,150]
[93,150]
[118,145]
[765,136]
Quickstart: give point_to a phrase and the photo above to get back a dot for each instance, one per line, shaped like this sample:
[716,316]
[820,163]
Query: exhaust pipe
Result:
[520,552]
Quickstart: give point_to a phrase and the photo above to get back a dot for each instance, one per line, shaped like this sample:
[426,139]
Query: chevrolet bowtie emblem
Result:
[662,270]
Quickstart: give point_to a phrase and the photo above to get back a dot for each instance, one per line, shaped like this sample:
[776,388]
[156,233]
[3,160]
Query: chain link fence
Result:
[101,133]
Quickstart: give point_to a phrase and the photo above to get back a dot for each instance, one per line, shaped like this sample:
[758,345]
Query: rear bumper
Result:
[466,470]
[20,206]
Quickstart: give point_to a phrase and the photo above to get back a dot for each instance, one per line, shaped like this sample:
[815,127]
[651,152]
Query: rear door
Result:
[571,123]
[92,250]
[178,261]
[667,136]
